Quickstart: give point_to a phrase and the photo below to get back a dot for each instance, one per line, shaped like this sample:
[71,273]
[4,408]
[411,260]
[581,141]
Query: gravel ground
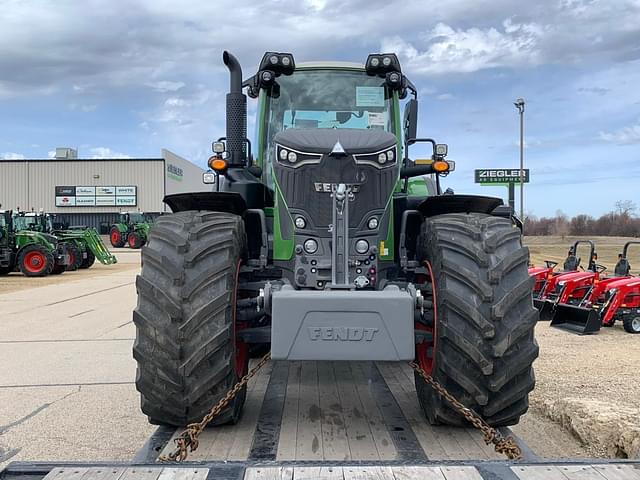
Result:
[601,367]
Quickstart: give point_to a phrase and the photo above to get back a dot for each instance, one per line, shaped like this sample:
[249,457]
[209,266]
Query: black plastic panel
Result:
[442,204]
[230,202]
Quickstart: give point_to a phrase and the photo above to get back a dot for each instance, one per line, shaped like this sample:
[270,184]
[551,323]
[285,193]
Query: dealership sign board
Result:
[500,176]
[96,196]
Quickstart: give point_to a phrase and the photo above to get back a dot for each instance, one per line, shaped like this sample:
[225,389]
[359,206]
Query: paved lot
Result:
[66,389]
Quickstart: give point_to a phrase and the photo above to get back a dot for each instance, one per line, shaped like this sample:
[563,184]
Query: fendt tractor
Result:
[132,229]
[325,241]
[83,244]
[35,254]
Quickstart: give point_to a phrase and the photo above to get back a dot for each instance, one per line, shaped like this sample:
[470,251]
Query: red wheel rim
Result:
[240,349]
[424,360]
[72,259]
[132,241]
[115,237]
[34,262]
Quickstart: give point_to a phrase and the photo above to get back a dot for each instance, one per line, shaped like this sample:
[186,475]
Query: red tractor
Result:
[540,275]
[570,286]
[610,299]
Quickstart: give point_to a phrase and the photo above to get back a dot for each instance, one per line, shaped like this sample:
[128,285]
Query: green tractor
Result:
[84,245]
[34,253]
[328,242]
[132,228]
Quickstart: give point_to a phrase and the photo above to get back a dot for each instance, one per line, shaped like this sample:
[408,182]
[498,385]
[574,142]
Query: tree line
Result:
[622,221]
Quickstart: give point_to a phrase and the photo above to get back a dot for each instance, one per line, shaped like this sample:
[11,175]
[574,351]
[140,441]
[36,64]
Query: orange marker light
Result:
[440,166]
[217,164]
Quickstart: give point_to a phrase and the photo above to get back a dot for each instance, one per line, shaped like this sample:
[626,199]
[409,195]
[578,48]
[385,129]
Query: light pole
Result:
[519,103]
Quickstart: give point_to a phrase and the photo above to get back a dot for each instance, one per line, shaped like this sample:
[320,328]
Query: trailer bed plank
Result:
[309,442]
[241,434]
[417,473]
[141,473]
[289,427]
[184,474]
[368,473]
[361,443]
[461,473]
[67,473]
[619,472]
[539,472]
[384,442]
[334,437]
[269,473]
[580,472]
[411,410]
[318,473]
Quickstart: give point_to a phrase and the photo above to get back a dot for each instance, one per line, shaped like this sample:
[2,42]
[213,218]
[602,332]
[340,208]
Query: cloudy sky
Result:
[121,78]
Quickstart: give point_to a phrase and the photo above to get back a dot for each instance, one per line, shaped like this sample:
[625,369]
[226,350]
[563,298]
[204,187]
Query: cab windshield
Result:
[328,99]
[22,222]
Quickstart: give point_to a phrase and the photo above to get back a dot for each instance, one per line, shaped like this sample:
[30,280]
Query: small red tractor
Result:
[540,275]
[609,299]
[569,286]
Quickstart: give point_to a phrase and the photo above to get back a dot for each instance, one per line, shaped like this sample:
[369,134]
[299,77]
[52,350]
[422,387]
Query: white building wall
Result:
[181,175]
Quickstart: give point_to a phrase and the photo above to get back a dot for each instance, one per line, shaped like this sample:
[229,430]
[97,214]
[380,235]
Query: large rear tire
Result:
[35,261]
[484,331]
[116,238]
[89,261]
[185,339]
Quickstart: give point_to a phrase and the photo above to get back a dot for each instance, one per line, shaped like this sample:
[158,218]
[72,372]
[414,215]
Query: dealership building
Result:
[93,191]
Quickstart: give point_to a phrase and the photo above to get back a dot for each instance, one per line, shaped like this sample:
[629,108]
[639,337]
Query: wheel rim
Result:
[115,237]
[240,349]
[72,259]
[34,262]
[635,324]
[426,361]
[132,240]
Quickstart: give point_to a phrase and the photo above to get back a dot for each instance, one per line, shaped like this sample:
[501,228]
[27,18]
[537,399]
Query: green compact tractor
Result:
[84,245]
[132,228]
[324,240]
[34,253]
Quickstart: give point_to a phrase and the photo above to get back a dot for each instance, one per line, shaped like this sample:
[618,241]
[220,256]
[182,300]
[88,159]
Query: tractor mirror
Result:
[410,120]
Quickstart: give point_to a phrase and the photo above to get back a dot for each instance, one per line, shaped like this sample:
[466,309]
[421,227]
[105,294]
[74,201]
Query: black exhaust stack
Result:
[236,114]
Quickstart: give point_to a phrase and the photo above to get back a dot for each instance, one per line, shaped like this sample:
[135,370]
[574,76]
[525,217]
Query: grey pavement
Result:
[67,384]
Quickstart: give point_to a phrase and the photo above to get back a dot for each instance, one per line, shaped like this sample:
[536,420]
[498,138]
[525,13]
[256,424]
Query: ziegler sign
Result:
[500,176]
[96,196]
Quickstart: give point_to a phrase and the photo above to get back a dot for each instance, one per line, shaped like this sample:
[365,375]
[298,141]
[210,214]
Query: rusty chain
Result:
[188,440]
[506,446]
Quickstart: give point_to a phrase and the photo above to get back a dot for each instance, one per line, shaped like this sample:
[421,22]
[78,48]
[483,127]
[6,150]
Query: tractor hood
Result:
[323,140]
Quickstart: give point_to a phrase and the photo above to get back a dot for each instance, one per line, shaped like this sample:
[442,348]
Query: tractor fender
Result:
[122,228]
[441,204]
[228,202]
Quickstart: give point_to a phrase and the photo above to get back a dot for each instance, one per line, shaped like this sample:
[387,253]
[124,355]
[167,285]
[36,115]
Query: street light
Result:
[519,103]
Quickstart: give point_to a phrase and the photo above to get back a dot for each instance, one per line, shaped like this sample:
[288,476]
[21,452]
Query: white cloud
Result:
[625,136]
[449,50]
[445,96]
[12,156]
[105,152]
[165,86]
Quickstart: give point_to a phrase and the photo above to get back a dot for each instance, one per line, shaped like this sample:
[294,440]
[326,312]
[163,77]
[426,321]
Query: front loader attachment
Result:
[545,307]
[575,319]
[97,247]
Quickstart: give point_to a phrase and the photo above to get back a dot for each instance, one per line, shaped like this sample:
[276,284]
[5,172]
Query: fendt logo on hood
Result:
[342,334]
[331,187]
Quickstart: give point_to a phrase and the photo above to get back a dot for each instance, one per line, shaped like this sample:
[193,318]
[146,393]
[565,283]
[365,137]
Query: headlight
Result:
[311,246]
[295,159]
[382,159]
[300,222]
[372,223]
[362,246]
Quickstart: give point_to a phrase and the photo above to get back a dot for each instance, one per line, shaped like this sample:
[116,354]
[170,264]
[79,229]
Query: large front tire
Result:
[484,331]
[185,343]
